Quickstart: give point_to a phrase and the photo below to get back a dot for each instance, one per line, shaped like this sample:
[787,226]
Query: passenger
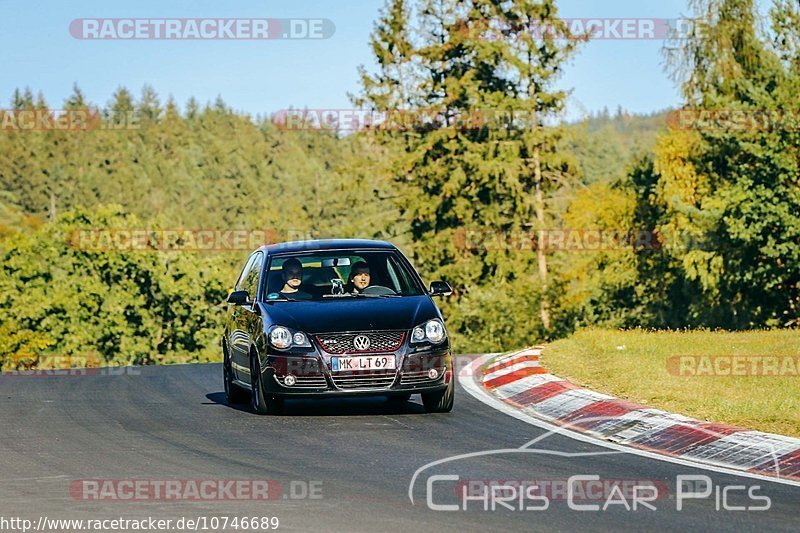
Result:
[292,273]
[359,278]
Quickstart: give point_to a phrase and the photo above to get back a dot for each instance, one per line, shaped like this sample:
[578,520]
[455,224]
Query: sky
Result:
[37,50]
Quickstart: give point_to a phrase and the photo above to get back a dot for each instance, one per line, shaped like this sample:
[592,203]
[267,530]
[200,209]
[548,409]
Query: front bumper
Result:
[314,377]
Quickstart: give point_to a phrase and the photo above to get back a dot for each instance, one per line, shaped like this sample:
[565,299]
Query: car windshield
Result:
[343,274]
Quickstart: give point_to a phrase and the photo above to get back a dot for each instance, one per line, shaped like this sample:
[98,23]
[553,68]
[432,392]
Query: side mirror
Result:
[440,288]
[239,298]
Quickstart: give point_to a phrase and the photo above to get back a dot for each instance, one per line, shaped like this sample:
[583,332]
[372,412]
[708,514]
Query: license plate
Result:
[364,362]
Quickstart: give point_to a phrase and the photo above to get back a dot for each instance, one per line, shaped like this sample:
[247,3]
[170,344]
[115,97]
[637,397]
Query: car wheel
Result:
[440,402]
[233,393]
[262,405]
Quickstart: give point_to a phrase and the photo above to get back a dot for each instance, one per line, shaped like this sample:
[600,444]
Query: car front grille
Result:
[344,343]
[371,379]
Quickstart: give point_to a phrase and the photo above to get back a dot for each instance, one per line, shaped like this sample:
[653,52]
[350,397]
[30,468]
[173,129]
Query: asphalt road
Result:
[357,455]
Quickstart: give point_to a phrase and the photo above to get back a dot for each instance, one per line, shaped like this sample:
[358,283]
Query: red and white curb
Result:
[519,382]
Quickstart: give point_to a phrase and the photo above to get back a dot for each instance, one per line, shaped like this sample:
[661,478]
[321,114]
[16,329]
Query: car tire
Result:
[262,404]
[233,393]
[442,401]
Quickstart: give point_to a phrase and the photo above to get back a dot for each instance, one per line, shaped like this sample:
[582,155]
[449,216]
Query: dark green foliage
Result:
[736,189]
[131,307]
[210,170]
[475,59]
[722,195]
[722,205]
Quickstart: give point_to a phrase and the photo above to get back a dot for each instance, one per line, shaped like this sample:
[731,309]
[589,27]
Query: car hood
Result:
[351,314]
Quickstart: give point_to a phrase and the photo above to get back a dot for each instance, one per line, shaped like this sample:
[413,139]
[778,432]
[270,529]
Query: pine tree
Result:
[17,100]
[389,88]
[41,103]
[76,100]
[192,108]
[22,100]
[480,156]
[220,106]
[121,105]
[539,61]
[149,107]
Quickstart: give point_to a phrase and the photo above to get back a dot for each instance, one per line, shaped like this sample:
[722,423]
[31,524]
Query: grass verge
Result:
[651,368]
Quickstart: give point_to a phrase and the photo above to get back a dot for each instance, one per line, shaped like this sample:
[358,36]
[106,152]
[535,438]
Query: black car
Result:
[333,318]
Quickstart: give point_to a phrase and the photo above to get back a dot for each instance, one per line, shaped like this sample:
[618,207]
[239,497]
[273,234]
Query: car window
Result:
[398,275]
[251,281]
[241,282]
[317,276]
[389,275]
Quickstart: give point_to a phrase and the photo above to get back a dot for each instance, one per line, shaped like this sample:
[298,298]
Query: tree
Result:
[479,154]
[149,107]
[539,61]
[22,100]
[126,307]
[389,88]
[192,108]
[729,190]
[76,100]
[121,103]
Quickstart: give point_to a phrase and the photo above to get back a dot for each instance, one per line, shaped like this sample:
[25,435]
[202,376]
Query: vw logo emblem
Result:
[361,342]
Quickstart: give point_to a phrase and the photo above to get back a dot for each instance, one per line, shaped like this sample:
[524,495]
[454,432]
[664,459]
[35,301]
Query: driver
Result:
[359,278]
[292,273]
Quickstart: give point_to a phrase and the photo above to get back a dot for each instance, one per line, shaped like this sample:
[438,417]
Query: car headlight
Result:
[282,338]
[431,331]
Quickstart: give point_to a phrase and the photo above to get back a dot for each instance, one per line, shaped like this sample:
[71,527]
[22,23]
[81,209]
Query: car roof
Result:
[327,244]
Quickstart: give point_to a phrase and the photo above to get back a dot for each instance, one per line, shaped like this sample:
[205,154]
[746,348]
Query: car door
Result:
[248,317]
[237,338]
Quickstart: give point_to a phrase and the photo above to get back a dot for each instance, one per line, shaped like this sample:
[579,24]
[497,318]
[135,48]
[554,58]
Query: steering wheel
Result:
[378,290]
